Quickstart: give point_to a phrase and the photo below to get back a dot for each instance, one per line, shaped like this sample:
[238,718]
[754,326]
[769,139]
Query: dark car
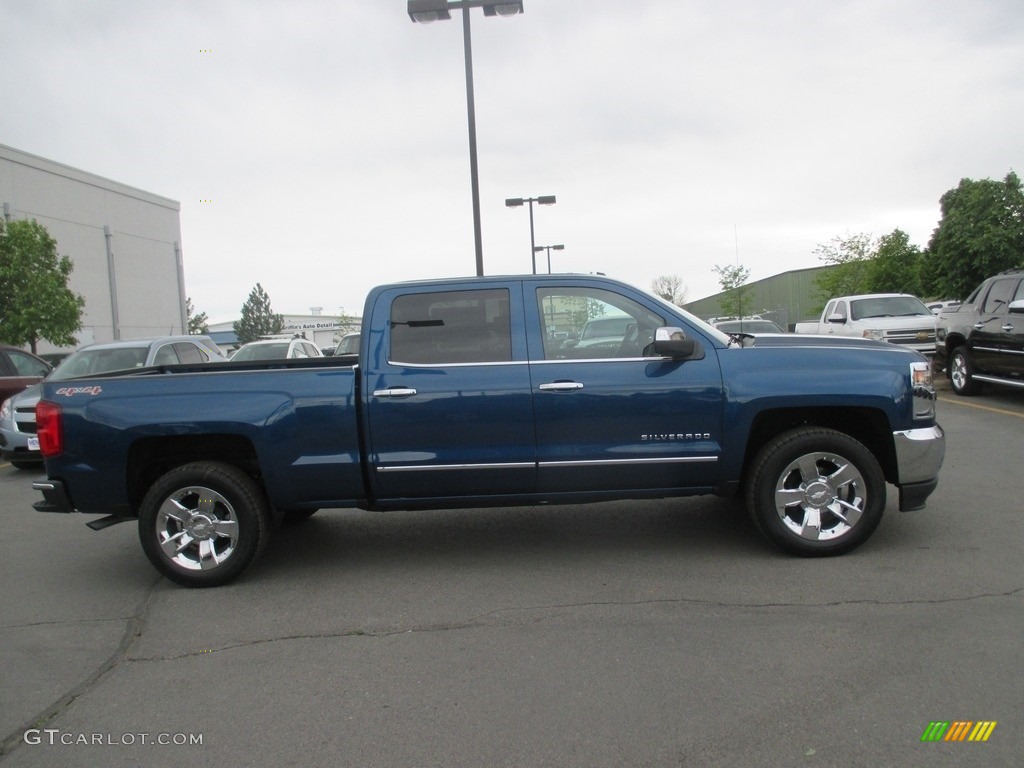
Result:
[19,369]
[983,339]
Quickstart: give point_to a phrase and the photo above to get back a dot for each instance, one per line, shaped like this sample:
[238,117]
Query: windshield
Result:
[87,362]
[604,327]
[748,326]
[887,306]
[274,351]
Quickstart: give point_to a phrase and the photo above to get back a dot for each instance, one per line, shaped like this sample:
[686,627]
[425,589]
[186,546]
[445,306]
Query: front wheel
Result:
[202,524]
[816,492]
[961,373]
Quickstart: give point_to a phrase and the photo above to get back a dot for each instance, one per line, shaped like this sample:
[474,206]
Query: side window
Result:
[830,309]
[1019,295]
[26,365]
[188,353]
[310,350]
[592,323]
[165,356]
[298,350]
[999,296]
[451,327]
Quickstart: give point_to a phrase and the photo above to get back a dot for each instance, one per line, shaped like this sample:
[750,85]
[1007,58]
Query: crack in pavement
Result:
[132,632]
[481,619]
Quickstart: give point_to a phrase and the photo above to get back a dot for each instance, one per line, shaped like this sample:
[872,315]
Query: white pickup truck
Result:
[898,318]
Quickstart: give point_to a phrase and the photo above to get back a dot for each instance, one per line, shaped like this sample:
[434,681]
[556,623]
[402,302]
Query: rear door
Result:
[449,411]
[610,416]
[993,332]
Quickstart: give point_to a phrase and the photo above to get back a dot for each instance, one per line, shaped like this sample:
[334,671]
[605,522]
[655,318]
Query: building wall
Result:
[787,298]
[82,212]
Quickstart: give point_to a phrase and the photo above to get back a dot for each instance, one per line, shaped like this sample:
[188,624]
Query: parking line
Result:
[1002,411]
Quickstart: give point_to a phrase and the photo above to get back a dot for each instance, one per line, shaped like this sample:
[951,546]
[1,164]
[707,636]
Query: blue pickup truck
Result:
[476,392]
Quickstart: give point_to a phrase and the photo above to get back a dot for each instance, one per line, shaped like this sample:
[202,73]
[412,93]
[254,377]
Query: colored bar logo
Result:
[959,730]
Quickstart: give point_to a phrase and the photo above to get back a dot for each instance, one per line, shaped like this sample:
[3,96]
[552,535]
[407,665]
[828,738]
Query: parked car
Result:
[938,307]
[748,325]
[349,345]
[19,369]
[276,349]
[18,441]
[897,318]
[983,340]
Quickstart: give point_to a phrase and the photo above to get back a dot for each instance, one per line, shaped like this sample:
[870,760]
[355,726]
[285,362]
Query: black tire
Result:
[961,373]
[202,524]
[814,474]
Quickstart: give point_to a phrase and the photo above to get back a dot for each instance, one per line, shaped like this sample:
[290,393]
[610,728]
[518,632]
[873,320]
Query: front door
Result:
[610,416]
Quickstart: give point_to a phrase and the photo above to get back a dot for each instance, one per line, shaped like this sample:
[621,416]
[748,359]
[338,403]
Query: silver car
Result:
[18,441]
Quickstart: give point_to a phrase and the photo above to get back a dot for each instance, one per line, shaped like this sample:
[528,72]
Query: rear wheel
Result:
[961,373]
[816,492]
[202,524]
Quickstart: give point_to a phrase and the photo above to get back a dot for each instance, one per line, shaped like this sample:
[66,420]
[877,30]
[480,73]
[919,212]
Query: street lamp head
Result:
[503,8]
[546,199]
[539,248]
[426,11]
[513,202]
[558,247]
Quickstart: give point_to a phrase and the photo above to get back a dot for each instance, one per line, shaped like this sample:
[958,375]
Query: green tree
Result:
[732,280]
[670,288]
[35,301]
[197,324]
[257,319]
[850,258]
[980,233]
[895,265]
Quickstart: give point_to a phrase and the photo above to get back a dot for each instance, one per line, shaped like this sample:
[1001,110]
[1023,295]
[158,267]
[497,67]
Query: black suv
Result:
[983,340]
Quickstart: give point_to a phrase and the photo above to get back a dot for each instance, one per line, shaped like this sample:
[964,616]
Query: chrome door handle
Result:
[979,325]
[396,392]
[1008,327]
[561,386]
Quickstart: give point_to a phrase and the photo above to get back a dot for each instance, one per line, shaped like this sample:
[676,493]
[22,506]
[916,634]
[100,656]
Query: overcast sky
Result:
[331,136]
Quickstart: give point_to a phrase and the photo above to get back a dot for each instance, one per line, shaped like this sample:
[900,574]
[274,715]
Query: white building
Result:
[125,245]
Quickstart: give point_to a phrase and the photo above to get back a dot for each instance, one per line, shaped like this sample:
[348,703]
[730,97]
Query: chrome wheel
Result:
[961,373]
[815,491]
[202,524]
[820,496]
[197,528]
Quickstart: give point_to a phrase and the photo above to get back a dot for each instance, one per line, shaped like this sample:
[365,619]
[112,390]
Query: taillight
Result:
[49,428]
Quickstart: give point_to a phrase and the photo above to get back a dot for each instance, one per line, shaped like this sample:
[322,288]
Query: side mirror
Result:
[672,342]
[1017,307]
[835,317]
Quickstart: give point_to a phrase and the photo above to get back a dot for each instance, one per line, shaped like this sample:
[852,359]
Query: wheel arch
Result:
[869,426]
[152,457]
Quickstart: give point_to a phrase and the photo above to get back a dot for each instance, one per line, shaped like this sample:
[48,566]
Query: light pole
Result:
[549,249]
[516,202]
[426,11]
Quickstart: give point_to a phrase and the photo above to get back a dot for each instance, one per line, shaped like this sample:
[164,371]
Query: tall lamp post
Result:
[426,11]
[516,202]
[549,249]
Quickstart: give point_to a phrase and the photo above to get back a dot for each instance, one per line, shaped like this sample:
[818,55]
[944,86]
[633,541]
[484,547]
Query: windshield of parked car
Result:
[88,362]
[277,350]
[748,326]
[887,306]
[606,327]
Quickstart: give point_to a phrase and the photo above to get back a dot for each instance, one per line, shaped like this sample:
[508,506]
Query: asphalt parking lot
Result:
[627,634]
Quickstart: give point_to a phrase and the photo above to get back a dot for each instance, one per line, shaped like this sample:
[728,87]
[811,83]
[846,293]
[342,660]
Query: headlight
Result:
[922,390]
[5,410]
[874,333]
